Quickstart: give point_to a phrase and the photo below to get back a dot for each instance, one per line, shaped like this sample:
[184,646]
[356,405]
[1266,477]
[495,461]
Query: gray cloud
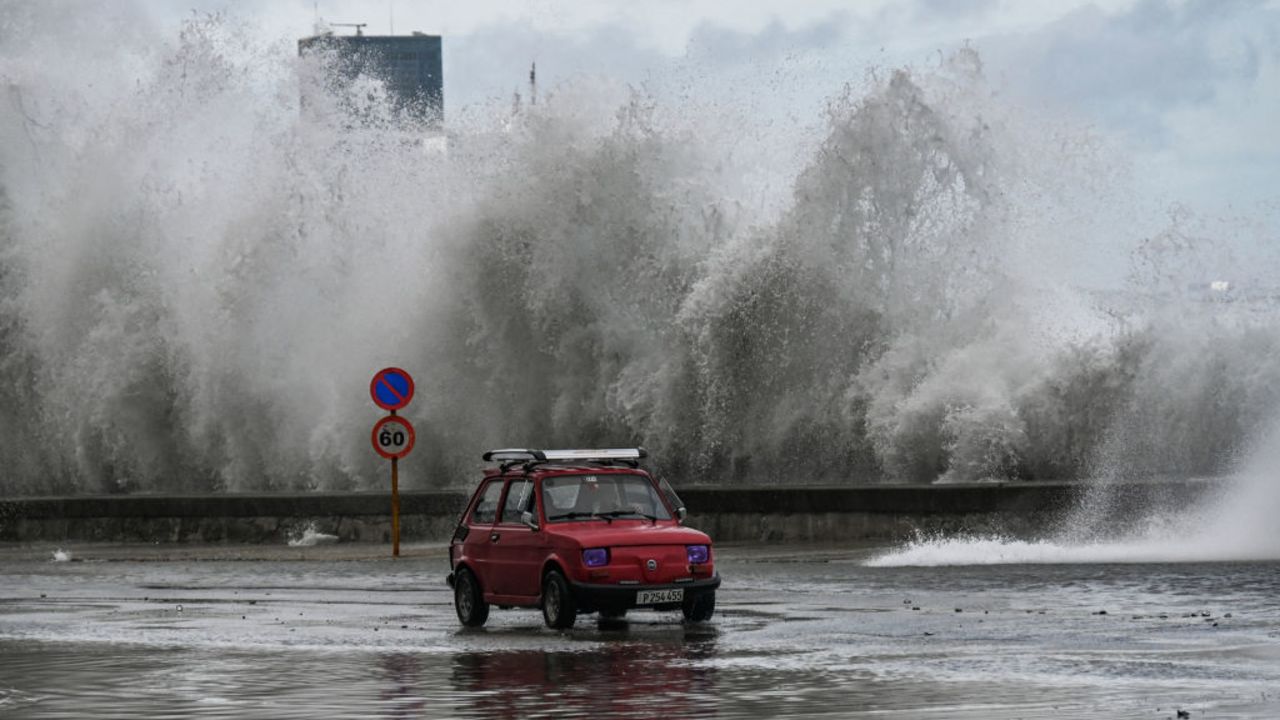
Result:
[934,10]
[495,59]
[497,56]
[1129,69]
[710,41]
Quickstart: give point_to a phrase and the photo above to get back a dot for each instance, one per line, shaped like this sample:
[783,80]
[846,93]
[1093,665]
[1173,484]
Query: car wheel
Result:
[699,607]
[468,601]
[558,608]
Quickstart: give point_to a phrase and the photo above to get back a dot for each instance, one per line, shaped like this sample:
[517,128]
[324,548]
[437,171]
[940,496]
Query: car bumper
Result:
[620,597]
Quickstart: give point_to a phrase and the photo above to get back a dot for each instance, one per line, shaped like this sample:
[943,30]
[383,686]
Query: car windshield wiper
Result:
[620,513]
[578,514]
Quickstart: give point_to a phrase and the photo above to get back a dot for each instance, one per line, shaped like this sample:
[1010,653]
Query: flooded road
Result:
[343,631]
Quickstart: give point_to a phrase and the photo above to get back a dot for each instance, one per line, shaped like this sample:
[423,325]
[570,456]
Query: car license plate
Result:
[656,597]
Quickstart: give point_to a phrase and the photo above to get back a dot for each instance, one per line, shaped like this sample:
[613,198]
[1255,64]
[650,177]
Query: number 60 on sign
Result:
[393,437]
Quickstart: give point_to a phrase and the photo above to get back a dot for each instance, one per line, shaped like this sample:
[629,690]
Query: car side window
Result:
[486,510]
[519,499]
[669,493]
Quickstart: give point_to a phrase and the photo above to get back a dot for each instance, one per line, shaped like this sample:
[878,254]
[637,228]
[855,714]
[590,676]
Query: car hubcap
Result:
[553,601]
[464,598]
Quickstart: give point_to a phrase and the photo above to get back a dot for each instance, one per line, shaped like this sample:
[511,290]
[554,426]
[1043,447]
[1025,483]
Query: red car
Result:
[577,531]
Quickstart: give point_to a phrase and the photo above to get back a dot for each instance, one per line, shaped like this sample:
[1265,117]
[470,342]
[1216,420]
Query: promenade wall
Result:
[776,514]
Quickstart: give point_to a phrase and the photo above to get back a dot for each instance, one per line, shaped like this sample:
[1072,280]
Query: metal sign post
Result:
[393,436]
[395,507]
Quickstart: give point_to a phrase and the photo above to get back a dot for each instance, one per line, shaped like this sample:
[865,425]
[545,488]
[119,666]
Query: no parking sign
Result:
[391,388]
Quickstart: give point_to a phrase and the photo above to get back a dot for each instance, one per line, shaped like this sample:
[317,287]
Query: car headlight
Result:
[595,557]
[697,554]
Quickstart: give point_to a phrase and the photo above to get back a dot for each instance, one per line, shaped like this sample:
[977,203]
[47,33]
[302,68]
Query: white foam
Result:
[310,537]
[997,550]
[1237,524]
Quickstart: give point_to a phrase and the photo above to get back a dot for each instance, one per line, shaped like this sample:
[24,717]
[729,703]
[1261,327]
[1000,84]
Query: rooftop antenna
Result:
[533,83]
[318,26]
[358,26]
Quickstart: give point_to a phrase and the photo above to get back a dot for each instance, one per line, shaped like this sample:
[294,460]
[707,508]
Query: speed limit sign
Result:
[393,437]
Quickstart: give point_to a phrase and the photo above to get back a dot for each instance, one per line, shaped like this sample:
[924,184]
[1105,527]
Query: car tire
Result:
[468,601]
[558,608]
[699,607]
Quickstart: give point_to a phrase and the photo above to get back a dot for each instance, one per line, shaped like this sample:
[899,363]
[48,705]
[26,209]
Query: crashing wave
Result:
[197,279]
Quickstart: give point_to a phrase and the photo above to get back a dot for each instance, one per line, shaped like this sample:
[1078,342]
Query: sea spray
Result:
[198,275]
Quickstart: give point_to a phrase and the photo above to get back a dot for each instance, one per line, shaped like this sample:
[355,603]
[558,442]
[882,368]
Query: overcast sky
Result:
[1190,88]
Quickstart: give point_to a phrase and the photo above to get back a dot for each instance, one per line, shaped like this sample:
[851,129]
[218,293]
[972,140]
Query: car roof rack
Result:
[517,454]
[509,457]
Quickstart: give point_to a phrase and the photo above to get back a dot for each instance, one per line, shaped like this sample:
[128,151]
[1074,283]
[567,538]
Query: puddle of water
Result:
[795,639]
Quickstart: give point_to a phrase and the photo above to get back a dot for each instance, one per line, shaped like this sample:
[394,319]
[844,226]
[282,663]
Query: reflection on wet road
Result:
[804,633]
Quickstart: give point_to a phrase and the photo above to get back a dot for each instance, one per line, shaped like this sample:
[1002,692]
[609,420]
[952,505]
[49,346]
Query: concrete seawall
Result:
[777,514]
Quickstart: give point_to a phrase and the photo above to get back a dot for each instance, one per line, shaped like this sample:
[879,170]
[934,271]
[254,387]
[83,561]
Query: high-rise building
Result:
[409,65]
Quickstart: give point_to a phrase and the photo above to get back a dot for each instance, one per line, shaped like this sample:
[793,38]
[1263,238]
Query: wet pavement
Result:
[345,631]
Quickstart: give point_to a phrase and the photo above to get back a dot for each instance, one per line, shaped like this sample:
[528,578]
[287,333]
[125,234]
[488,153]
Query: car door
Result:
[480,527]
[517,551]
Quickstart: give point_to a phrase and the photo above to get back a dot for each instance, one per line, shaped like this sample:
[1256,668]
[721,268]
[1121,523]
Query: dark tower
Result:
[410,65]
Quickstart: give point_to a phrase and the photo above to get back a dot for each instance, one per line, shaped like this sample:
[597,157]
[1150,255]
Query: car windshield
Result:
[578,497]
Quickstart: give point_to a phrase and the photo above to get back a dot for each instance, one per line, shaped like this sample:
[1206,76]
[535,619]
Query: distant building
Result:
[410,65]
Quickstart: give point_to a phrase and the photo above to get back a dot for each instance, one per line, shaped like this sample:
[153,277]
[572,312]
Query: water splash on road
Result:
[1235,522]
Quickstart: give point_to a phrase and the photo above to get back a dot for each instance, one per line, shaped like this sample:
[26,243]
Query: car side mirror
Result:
[529,520]
[681,513]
